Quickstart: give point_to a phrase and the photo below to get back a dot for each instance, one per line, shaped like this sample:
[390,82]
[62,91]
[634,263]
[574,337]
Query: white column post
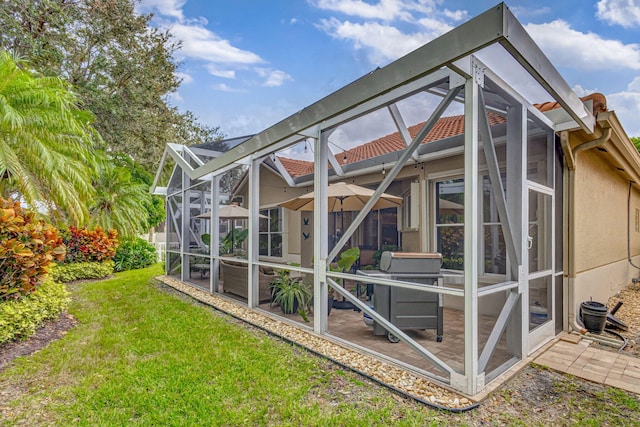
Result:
[516,192]
[320,235]
[471,230]
[254,227]
[214,233]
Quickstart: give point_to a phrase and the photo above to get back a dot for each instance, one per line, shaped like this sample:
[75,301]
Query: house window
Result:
[270,238]
[449,221]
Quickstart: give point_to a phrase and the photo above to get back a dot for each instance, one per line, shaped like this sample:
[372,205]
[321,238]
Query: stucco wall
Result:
[599,222]
[600,214]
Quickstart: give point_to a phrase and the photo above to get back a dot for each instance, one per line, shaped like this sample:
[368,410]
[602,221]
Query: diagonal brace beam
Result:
[498,329]
[408,152]
[496,184]
[391,328]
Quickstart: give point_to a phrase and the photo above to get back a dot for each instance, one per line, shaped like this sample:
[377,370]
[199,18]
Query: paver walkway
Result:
[605,367]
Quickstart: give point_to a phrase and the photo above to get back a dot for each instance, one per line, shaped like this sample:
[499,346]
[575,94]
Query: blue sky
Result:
[247,64]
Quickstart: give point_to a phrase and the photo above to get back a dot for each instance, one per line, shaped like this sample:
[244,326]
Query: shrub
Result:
[28,248]
[84,245]
[81,270]
[134,254]
[21,318]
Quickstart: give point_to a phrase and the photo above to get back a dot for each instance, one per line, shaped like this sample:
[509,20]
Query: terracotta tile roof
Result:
[599,103]
[445,127]
[296,167]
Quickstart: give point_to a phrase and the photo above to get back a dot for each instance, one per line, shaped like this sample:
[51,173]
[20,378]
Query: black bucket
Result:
[594,316]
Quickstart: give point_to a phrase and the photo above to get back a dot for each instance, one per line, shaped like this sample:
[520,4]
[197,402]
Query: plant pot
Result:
[293,309]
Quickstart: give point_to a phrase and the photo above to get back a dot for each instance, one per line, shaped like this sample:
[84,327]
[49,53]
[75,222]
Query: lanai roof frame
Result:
[496,26]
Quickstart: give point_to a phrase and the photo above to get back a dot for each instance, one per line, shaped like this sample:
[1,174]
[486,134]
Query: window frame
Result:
[483,224]
[271,233]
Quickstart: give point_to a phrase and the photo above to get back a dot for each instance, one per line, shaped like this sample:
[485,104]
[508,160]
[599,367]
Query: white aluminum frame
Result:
[434,62]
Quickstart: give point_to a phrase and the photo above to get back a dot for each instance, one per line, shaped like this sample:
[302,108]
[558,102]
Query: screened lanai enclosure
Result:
[460,172]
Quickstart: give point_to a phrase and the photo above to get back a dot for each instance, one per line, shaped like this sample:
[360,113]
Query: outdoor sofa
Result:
[235,277]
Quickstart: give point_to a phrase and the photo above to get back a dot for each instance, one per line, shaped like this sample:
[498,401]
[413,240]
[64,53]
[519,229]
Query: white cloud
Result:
[384,42]
[435,27]
[580,91]
[370,28]
[622,12]
[222,87]
[626,104]
[570,48]
[200,43]
[184,77]
[170,8]
[387,10]
[214,70]
[274,78]
[175,97]
[456,15]
[627,108]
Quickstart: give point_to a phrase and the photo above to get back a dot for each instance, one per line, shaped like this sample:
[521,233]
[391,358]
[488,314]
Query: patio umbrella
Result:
[344,197]
[232,212]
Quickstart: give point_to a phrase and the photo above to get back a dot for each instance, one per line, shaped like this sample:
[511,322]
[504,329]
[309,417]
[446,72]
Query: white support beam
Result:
[401,126]
[521,46]
[498,329]
[320,235]
[390,327]
[283,171]
[475,34]
[177,227]
[496,25]
[254,226]
[184,228]
[471,232]
[214,239]
[488,147]
[331,157]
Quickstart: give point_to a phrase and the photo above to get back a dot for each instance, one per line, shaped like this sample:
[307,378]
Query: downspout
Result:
[570,155]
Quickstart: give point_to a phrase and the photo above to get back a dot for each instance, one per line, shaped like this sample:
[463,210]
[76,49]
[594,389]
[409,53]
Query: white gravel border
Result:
[382,371]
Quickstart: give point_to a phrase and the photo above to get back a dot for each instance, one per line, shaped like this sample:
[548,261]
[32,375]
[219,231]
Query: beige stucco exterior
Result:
[598,221]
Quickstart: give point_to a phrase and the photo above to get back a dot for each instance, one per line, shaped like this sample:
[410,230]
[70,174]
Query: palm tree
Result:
[120,202]
[45,143]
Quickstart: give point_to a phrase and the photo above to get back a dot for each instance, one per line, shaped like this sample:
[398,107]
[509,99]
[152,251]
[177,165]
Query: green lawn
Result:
[141,356]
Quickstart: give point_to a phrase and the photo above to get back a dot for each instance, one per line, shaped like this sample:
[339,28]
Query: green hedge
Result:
[132,255]
[20,318]
[81,270]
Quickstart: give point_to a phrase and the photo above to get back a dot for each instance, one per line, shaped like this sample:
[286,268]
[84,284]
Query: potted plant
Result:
[291,294]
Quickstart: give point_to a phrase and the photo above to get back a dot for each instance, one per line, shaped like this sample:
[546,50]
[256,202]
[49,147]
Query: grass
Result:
[141,356]
[144,357]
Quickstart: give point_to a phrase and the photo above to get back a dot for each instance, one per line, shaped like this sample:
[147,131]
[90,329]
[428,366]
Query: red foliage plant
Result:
[84,245]
[28,248]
